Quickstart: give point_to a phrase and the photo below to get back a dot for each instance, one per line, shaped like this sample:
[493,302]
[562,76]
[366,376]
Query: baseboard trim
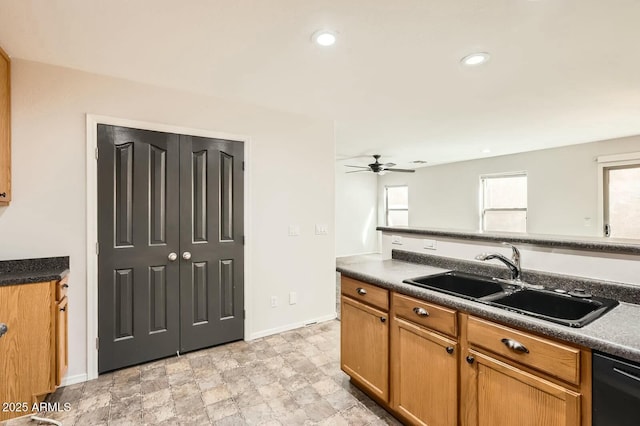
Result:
[288,327]
[72,380]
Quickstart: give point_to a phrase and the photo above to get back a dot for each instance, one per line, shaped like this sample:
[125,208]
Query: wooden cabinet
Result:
[61,360]
[424,375]
[431,365]
[512,377]
[33,351]
[5,129]
[364,344]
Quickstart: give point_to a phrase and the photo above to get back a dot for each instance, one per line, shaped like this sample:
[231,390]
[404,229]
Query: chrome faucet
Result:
[513,264]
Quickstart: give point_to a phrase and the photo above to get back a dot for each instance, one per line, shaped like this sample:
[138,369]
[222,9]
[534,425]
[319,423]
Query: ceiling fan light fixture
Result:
[475,59]
[324,38]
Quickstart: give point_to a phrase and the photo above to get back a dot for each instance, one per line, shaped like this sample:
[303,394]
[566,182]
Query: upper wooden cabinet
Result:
[5,129]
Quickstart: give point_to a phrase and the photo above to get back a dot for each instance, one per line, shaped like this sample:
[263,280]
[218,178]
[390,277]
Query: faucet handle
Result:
[515,253]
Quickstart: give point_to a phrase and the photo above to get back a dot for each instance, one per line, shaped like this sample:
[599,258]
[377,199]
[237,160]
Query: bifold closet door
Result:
[138,230]
[211,242]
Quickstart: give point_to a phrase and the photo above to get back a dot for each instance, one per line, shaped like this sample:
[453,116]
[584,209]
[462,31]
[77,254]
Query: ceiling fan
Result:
[379,168]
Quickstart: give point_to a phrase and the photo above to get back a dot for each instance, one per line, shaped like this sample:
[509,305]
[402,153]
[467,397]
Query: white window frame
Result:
[386,203]
[482,191]
[607,162]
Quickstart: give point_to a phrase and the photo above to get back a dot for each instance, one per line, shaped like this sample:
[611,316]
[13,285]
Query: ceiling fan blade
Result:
[357,171]
[389,165]
[359,167]
[400,170]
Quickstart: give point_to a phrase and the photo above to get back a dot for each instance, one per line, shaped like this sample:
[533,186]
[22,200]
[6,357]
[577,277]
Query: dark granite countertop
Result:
[602,244]
[617,332]
[14,272]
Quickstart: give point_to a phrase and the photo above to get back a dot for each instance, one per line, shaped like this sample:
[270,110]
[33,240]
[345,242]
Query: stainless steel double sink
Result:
[561,308]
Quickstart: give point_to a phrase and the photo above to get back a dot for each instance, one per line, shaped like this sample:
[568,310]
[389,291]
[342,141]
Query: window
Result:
[397,205]
[621,195]
[503,202]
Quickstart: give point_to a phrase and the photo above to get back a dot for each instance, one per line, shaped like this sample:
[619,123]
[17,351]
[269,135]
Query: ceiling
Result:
[561,71]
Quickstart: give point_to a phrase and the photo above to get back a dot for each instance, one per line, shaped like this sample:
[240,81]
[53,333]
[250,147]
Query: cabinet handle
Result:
[421,312]
[383,319]
[3,194]
[172,256]
[470,359]
[65,285]
[361,291]
[186,255]
[3,329]
[63,309]
[449,350]
[515,346]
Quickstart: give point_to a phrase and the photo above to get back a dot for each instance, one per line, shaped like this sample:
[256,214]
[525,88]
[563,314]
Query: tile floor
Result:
[292,378]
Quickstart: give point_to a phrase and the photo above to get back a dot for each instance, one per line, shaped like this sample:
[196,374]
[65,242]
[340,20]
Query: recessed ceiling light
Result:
[324,37]
[419,162]
[486,151]
[475,59]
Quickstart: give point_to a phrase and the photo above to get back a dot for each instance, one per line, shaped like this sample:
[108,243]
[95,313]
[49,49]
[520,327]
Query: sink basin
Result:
[559,308]
[459,284]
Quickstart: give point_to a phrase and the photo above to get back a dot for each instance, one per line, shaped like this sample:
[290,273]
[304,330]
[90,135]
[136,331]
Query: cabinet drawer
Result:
[432,316]
[61,288]
[367,293]
[547,356]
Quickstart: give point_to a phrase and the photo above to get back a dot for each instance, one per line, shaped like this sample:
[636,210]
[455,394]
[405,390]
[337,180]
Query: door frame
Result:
[92,121]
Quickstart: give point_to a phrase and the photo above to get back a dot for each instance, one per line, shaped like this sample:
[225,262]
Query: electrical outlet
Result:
[396,239]
[293,298]
[430,244]
[274,301]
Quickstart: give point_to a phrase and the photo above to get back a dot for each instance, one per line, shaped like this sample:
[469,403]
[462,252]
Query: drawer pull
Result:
[449,350]
[63,309]
[383,319]
[421,312]
[3,194]
[3,329]
[515,346]
[470,359]
[361,291]
[65,285]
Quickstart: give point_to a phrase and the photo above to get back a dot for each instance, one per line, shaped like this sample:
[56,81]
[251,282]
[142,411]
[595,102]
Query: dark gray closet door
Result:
[138,228]
[211,242]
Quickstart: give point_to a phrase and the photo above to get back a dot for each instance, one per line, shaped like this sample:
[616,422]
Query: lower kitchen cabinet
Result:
[499,394]
[424,372]
[431,365]
[33,350]
[364,346]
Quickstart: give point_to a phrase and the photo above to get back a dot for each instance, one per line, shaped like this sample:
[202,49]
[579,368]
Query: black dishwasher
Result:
[616,391]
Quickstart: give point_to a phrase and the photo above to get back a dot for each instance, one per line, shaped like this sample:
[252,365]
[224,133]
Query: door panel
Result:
[138,287]
[211,229]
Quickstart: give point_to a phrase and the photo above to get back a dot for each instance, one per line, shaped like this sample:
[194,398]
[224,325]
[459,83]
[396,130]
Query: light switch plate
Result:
[396,239]
[321,229]
[294,230]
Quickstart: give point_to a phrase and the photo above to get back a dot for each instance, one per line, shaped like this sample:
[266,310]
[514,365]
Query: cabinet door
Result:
[61,352]
[498,394]
[364,346]
[424,375]
[25,349]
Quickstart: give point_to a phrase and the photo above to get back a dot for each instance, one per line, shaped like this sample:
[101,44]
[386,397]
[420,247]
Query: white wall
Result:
[562,188]
[356,216]
[624,268]
[47,215]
